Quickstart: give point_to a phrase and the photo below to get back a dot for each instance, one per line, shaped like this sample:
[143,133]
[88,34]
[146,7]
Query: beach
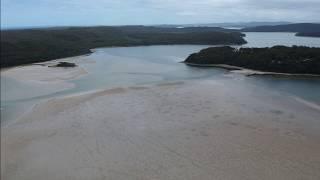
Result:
[250,72]
[197,129]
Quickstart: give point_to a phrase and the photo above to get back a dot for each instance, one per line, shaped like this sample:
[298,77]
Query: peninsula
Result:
[279,59]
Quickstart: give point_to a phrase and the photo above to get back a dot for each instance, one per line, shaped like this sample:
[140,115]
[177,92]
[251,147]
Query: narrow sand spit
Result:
[194,130]
[250,72]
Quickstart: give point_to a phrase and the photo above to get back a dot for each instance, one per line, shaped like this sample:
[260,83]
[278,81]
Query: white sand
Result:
[195,130]
[249,72]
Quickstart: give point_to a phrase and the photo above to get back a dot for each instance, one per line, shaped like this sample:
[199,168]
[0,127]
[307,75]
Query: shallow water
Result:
[129,66]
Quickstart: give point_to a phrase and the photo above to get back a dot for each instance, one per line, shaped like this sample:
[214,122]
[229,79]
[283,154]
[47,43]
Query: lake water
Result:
[128,66]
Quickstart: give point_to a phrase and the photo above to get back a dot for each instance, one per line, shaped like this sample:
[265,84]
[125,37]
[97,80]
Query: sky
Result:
[28,13]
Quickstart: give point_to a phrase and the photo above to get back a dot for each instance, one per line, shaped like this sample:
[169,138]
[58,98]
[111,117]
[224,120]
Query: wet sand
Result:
[183,130]
[40,79]
[22,86]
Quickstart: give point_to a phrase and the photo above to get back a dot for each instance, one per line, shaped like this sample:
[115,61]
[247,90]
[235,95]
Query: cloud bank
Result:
[119,12]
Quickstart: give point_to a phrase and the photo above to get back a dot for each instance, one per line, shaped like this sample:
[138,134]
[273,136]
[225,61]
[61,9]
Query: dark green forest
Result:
[37,45]
[295,59]
[298,27]
[301,29]
[309,34]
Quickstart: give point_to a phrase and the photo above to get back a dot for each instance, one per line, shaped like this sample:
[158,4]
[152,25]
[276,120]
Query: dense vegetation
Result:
[232,24]
[295,59]
[37,45]
[309,34]
[299,27]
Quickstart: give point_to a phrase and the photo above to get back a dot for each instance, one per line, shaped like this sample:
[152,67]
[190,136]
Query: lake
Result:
[147,65]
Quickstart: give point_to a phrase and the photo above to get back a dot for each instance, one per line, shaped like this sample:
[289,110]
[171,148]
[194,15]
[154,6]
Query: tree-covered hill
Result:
[298,27]
[282,59]
[37,45]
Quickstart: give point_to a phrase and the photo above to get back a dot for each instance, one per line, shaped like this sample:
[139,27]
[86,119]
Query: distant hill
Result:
[299,27]
[226,25]
[155,29]
[37,45]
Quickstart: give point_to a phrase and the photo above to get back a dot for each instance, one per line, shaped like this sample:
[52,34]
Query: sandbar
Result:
[191,130]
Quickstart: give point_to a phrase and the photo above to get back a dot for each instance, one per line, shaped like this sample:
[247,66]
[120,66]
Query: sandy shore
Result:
[250,72]
[185,130]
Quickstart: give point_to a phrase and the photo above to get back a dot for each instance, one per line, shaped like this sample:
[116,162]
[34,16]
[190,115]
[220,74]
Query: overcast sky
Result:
[19,13]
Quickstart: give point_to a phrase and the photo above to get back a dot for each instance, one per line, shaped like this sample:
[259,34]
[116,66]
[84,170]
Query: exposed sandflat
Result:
[193,130]
[41,78]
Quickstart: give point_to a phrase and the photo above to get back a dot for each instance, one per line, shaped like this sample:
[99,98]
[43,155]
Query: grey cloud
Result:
[157,11]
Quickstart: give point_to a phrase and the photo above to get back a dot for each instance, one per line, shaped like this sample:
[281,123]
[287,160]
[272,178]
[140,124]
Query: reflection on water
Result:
[129,66]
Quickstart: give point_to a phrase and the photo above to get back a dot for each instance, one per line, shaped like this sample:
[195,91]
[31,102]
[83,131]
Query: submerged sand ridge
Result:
[190,130]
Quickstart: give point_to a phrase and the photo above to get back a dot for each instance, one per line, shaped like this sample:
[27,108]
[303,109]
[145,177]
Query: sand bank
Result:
[250,72]
[38,79]
[194,130]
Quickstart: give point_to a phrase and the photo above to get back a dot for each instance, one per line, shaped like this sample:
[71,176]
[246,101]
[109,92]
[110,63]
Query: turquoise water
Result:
[129,66]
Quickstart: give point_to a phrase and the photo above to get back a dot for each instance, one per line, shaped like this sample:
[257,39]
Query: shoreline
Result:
[48,62]
[250,72]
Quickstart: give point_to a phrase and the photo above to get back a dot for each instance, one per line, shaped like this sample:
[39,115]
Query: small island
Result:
[65,64]
[278,59]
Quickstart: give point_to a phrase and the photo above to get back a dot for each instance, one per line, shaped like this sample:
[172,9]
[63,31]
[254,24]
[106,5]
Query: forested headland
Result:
[281,59]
